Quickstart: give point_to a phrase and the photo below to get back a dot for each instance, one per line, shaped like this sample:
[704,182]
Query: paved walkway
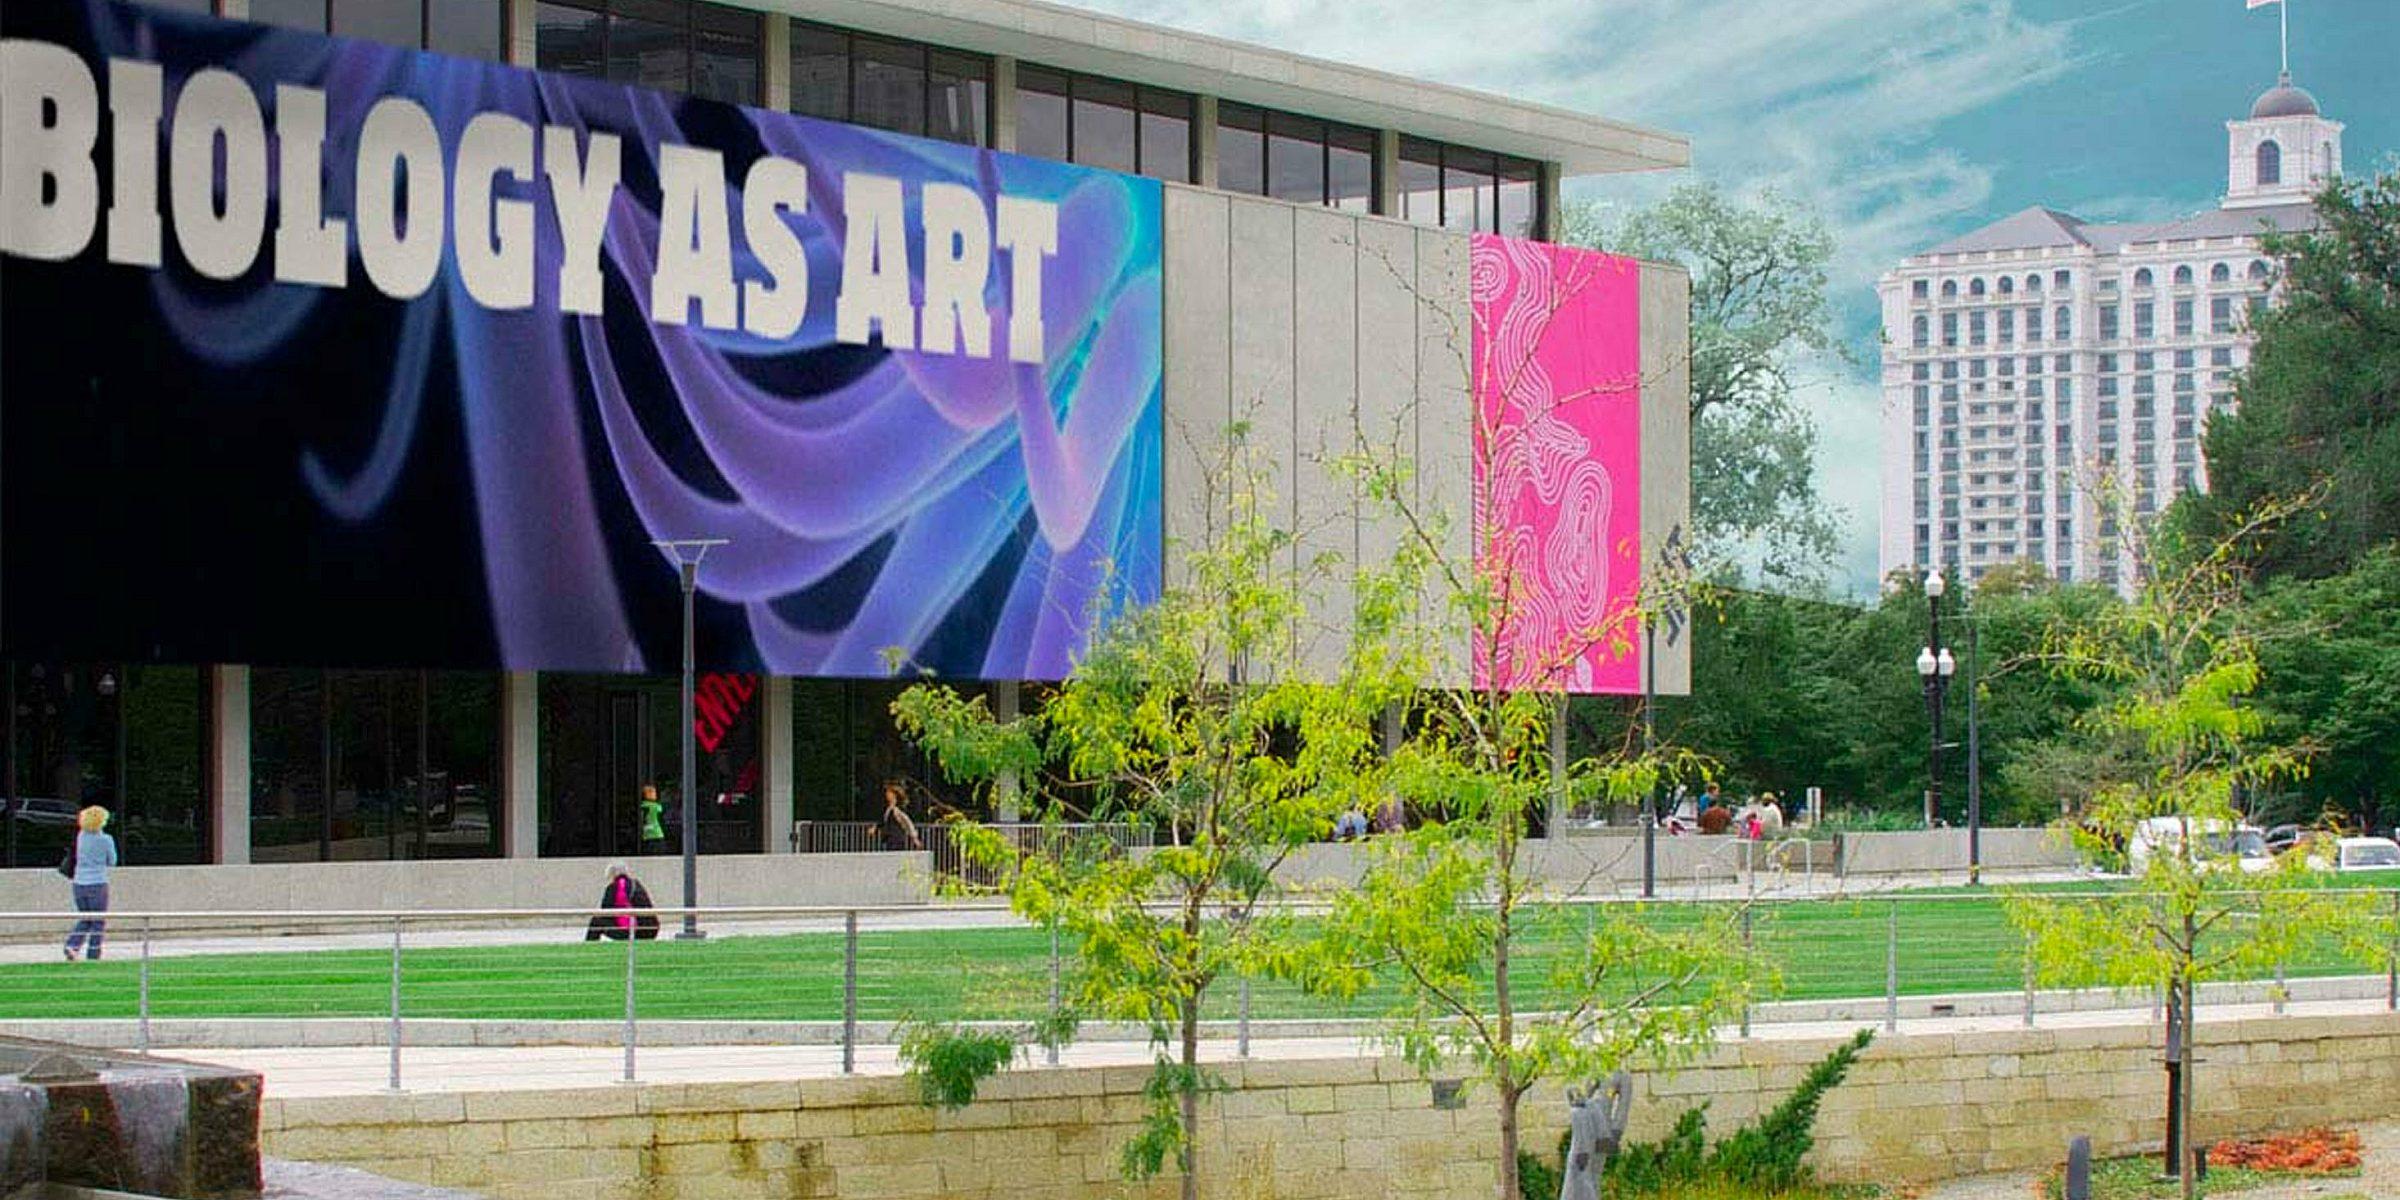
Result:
[2379,1181]
[345,1070]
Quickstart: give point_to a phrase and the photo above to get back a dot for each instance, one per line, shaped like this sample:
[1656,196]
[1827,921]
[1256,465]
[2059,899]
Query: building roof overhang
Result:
[1076,40]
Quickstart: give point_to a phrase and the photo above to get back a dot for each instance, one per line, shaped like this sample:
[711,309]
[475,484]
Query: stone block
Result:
[547,1135]
[562,1104]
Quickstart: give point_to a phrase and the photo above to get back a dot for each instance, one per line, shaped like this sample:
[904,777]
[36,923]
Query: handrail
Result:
[837,911]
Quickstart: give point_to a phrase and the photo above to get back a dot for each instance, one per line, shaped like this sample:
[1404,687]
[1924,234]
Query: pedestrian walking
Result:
[87,867]
[894,828]
[654,832]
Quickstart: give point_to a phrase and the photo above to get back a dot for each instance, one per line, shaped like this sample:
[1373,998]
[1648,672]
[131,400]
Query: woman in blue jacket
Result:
[95,856]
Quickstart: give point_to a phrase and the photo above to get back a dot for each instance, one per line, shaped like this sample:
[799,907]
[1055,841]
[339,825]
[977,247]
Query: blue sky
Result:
[1903,122]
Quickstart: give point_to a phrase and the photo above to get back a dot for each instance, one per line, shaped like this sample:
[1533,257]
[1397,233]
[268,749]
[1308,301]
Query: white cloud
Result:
[1831,102]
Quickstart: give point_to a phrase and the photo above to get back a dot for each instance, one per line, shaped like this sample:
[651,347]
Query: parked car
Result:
[2366,854]
[2282,838]
[39,810]
[2245,844]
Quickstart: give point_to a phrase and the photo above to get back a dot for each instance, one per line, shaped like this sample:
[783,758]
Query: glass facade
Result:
[906,87]
[606,737]
[132,739]
[466,28]
[706,50]
[367,765]
[1103,123]
[1299,159]
[1472,190]
[845,746]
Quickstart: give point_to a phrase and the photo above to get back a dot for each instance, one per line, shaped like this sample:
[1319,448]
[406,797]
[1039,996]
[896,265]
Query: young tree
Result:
[1758,306]
[1192,717]
[2182,663]
[1451,911]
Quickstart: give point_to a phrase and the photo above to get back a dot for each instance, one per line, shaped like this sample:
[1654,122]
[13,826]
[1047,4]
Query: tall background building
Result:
[2045,378]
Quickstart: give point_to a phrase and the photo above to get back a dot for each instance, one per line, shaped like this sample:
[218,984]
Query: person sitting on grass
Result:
[621,915]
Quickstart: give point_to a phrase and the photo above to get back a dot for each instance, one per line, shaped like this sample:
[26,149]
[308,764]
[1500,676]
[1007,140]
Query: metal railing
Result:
[940,838]
[851,977]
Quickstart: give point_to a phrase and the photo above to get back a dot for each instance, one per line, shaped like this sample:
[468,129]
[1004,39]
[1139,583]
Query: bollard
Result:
[1891,974]
[2079,1169]
[2029,993]
[1746,913]
[394,1082]
[2391,970]
[631,1034]
[850,992]
[1242,1030]
[142,1037]
[1051,1051]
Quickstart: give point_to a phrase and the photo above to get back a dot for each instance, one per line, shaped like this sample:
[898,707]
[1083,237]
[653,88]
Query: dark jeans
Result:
[89,897]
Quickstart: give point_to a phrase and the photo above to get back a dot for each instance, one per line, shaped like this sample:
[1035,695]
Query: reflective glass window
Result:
[131,739]
[1103,126]
[291,14]
[606,738]
[392,22]
[820,72]
[569,41]
[648,45]
[1420,183]
[1042,114]
[357,765]
[1241,149]
[1469,201]
[725,50]
[1166,135]
[1520,199]
[1295,159]
[466,28]
[888,89]
[1350,168]
[957,98]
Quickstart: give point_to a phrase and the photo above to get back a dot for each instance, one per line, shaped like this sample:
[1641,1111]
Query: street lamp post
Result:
[1974,752]
[687,555]
[1935,666]
[1649,750]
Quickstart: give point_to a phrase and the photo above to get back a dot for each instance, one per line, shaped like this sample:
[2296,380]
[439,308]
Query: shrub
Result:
[948,1062]
[1767,1155]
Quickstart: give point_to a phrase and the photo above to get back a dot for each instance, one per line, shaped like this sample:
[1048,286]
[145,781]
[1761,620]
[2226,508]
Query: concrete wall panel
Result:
[1325,382]
[1446,418]
[1265,343]
[1199,356]
[1667,450]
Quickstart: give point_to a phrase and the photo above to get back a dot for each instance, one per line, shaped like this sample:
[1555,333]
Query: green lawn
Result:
[1824,949]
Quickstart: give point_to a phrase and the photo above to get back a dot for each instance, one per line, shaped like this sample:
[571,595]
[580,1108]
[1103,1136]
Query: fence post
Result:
[142,1037]
[1051,1051]
[2391,968]
[1242,1030]
[394,1082]
[1747,911]
[632,1034]
[2281,990]
[2029,993]
[850,992]
[1891,972]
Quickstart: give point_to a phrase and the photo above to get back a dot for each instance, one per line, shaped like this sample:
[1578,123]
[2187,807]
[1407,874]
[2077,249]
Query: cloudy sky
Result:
[1903,121]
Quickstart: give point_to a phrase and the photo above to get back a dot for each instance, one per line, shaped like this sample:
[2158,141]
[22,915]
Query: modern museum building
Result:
[357,357]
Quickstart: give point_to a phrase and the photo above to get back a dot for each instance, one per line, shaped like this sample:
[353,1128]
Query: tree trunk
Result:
[1191,1098]
[1509,1095]
[2191,1153]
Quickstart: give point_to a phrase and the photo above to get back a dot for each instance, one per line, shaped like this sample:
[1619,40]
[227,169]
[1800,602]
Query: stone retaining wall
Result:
[1917,1107]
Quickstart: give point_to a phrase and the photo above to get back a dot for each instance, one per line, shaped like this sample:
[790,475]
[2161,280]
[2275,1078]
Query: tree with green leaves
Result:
[1444,909]
[2333,681]
[1195,718]
[2182,664]
[2320,399]
[1759,307]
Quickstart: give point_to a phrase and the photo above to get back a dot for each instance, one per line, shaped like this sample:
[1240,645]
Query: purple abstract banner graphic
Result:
[321,352]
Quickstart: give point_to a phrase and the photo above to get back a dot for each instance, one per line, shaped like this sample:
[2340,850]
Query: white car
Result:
[2366,854]
[2245,844]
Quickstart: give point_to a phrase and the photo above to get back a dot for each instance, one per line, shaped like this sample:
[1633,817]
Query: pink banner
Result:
[1558,400]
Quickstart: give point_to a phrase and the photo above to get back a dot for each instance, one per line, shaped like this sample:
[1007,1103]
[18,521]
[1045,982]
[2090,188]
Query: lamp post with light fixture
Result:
[1934,666]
